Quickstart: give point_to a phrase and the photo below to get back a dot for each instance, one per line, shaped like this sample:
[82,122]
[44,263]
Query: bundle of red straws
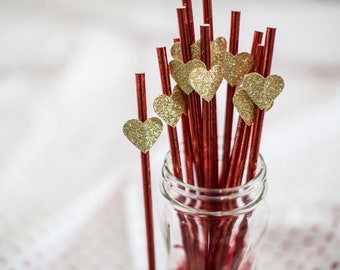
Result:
[198,67]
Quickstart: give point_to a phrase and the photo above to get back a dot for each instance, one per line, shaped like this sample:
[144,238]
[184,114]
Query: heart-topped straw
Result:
[198,68]
[143,133]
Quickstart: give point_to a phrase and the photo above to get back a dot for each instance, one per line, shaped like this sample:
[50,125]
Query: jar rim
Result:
[260,174]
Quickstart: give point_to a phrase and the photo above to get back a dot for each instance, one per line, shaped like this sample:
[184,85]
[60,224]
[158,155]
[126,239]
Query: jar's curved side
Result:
[216,202]
[184,235]
[212,228]
[257,228]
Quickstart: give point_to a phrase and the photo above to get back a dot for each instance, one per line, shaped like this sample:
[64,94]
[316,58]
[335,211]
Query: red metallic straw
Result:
[188,155]
[194,105]
[184,33]
[241,161]
[190,18]
[208,16]
[269,50]
[257,39]
[234,32]
[208,19]
[214,143]
[241,143]
[172,131]
[257,51]
[187,145]
[145,164]
[238,159]
[236,154]
[229,113]
[210,169]
[258,125]
[209,119]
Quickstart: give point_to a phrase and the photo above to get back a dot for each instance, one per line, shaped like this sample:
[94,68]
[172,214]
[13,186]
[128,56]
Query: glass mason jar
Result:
[212,229]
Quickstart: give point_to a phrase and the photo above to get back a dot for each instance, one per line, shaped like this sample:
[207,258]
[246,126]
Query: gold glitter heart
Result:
[180,73]
[176,51]
[244,105]
[206,82]
[235,67]
[143,134]
[216,46]
[262,90]
[196,50]
[171,108]
[180,98]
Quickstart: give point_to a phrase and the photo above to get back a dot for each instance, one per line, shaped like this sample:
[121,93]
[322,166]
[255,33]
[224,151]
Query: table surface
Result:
[70,184]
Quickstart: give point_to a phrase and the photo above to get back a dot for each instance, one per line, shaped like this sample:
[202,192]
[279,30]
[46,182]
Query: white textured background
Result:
[70,188]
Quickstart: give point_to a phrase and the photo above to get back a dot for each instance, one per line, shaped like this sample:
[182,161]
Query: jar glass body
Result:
[212,229]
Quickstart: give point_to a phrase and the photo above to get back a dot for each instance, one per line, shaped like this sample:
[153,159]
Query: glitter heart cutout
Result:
[206,82]
[180,98]
[216,46]
[244,105]
[196,50]
[180,72]
[171,108]
[176,51]
[262,90]
[143,134]
[219,45]
[235,67]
